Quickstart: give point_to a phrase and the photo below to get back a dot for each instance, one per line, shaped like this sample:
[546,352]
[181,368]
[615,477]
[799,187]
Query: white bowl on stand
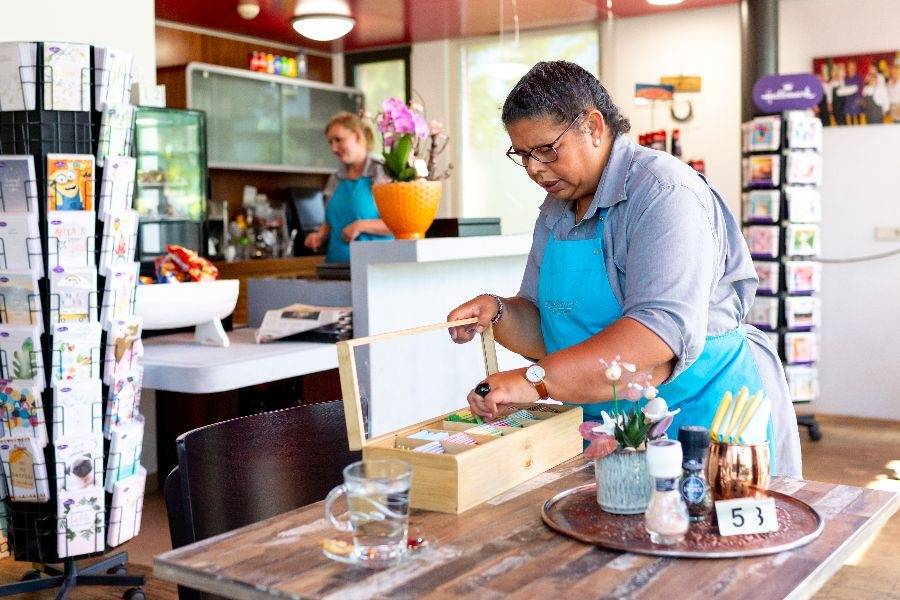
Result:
[199,303]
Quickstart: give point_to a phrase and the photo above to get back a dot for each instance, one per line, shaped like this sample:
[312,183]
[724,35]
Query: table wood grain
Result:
[503,549]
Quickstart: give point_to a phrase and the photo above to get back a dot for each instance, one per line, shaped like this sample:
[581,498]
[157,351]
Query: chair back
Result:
[241,471]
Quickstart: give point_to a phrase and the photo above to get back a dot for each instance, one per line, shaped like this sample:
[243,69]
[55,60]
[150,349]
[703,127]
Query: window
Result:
[379,75]
[492,186]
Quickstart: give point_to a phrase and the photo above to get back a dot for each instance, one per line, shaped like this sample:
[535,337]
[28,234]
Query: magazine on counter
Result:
[311,323]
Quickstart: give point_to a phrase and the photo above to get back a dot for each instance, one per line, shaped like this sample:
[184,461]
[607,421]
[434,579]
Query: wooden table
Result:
[502,548]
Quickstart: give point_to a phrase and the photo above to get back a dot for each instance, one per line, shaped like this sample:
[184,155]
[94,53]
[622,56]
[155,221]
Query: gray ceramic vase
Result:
[623,483]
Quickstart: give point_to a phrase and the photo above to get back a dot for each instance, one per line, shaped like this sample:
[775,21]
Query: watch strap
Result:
[541,388]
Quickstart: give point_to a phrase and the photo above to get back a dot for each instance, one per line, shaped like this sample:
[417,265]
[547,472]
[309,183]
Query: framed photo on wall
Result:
[860,89]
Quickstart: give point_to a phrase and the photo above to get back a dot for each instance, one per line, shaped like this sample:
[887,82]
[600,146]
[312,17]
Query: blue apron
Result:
[576,301]
[352,200]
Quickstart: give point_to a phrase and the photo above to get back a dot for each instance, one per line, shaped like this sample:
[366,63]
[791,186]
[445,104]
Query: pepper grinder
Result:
[666,518]
[694,487]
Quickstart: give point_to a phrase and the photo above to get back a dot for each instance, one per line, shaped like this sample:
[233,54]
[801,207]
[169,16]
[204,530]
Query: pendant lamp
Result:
[323,20]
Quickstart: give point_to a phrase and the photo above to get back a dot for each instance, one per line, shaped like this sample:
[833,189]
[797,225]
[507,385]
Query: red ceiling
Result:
[391,22]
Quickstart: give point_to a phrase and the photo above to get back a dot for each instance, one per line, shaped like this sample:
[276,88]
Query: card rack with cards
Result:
[67,279]
[782,214]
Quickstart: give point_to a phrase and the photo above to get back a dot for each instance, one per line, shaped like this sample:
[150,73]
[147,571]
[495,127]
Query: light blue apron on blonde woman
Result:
[576,301]
[351,201]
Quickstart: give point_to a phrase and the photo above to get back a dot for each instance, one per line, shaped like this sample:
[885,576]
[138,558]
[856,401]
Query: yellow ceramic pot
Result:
[408,207]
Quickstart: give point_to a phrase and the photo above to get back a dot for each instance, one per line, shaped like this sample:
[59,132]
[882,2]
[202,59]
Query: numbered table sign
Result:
[743,516]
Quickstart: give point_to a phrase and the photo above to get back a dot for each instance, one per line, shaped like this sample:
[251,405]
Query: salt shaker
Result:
[694,487]
[666,518]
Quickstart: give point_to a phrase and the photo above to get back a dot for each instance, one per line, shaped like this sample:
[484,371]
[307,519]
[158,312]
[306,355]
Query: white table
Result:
[173,363]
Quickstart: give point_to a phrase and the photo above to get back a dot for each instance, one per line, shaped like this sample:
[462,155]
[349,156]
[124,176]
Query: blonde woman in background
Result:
[350,212]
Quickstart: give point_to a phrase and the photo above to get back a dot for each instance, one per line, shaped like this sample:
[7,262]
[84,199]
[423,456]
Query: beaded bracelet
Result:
[499,315]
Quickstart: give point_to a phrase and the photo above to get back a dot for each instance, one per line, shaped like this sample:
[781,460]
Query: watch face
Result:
[535,373]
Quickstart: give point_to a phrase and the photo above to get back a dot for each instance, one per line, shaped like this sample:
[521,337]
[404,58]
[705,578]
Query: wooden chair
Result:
[241,471]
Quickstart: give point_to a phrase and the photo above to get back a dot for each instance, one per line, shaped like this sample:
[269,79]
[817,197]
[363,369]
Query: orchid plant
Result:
[411,144]
[626,429]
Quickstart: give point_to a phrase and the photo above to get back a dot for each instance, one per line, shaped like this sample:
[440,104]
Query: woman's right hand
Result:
[483,307]
[313,241]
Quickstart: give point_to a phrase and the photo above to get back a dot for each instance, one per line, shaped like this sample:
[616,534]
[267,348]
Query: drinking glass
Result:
[377,518]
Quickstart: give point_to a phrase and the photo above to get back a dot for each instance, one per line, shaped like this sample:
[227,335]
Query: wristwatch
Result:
[535,376]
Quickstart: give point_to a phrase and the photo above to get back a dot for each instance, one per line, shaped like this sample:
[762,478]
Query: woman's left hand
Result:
[352,231]
[507,387]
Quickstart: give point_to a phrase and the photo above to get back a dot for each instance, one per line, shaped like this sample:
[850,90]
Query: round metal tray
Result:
[575,513]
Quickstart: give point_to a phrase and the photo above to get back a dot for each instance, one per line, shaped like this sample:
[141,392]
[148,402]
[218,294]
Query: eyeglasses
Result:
[543,154]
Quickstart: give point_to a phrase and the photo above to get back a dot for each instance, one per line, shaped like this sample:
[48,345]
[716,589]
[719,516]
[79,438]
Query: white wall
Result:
[703,42]
[124,24]
[860,358]
[434,72]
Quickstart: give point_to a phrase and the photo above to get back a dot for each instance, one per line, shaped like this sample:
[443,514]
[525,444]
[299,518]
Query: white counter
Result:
[173,363]
[404,283]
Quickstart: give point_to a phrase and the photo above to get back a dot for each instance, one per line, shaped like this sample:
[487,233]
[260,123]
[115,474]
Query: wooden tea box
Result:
[465,474]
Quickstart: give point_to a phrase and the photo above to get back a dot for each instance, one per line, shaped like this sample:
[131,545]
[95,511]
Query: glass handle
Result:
[329,501]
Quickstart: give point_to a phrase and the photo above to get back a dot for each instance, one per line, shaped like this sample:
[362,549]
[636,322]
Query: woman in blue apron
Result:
[634,254]
[350,212]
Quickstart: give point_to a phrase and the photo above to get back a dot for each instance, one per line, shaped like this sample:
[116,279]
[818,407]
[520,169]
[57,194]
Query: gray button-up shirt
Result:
[677,262]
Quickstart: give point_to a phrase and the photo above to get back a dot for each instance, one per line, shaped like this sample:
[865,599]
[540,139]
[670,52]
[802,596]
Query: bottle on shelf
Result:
[676,143]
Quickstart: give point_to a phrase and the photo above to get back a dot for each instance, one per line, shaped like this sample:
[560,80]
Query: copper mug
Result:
[738,471]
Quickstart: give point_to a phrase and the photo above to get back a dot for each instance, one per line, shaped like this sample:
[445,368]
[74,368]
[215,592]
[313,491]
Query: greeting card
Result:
[763,240]
[116,128]
[804,130]
[123,349]
[117,186]
[764,134]
[20,300]
[124,400]
[762,206]
[81,527]
[126,508]
[21,411]
[801,312]
[18,183]
[17,75]
[762,170]
[802,239]
[802,277]
[20,354]
[24,469]
[77,408]
[118,298]
[804,204]
[804,168]
[119,239]
[764,313]
[79,462]
[112,79]
[768,273]
[20,243]
[67,76]
[76,351]
[73,295]
[70,182]
[70,238]
[126,443]
[801,348]
[803,383]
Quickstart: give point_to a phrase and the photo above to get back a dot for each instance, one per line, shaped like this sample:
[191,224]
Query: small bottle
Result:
[694,487]
[676,143]
[666,518]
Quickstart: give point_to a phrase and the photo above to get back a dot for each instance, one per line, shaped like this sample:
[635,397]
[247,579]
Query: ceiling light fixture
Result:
[248,9]
[664,2]
[323,20]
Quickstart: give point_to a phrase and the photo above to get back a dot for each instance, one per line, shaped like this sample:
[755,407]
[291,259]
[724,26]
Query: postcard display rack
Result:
[782,172]
[72,484]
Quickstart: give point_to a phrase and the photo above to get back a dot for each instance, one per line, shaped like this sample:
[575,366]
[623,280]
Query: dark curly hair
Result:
[561,90]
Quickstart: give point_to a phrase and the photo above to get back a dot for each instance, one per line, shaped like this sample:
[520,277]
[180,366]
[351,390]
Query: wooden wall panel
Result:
[176,47]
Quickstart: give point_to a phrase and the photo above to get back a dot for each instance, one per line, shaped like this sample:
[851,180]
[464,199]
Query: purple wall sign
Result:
[775,93]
